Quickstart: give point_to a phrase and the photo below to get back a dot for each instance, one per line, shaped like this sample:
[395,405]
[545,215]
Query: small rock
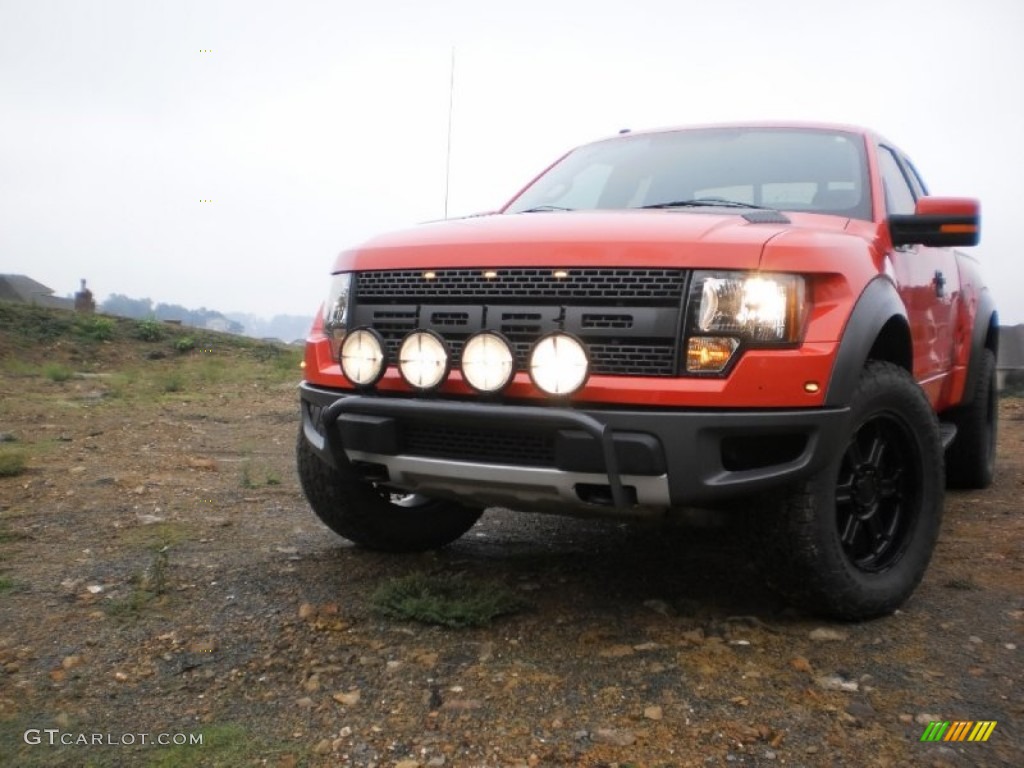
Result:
[305,703]
[653,712]
[149,519]
[923,718]
[825,633]
[70,662]
[435,762]
[975,639]
[800,664]
[407,764]
[323,747]
[121,677]
[906,719]
[58,675]
[694,636]
[94,589]
[860,708]
[1010,646]
[312,684]
[347,699]
[617,651]
[614,737]
[462,704]
[770,754]
[811,750]
[836,683]
[307,611]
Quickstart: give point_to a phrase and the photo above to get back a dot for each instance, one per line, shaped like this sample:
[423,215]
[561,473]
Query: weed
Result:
[149,329]
[449,600]
[13,461]
[148,585]
[245,476]
[228,744]
[19,368]
[173,381]
[272,478]
[6,584]
[57,372]
[185,344]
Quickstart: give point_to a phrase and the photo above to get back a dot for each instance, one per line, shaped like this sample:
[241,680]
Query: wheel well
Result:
[992,336]
[893,344]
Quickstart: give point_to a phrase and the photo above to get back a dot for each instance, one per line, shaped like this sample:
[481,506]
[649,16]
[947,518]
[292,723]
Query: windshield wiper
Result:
[709,202]
[545,209]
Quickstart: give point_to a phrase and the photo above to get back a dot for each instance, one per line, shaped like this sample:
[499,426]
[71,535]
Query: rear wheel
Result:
[375,518]
[971,459]
[853,542]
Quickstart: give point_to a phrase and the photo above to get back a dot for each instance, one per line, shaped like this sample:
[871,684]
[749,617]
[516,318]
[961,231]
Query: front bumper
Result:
[617,461]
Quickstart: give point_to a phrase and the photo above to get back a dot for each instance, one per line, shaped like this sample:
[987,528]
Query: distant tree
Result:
[123,306]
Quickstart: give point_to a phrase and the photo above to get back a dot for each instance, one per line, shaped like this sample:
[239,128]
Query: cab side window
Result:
[898,196]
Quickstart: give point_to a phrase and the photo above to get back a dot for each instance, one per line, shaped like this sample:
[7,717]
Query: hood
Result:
[642,238]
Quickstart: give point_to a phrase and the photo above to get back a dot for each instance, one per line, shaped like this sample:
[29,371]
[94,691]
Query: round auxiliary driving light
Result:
[559,364]
[423,359]
[362,357]
[487,362]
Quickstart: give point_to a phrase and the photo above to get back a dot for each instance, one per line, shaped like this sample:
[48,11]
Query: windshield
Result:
[791,169]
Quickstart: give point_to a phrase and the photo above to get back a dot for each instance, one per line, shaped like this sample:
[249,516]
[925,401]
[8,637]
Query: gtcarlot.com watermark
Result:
[54,737]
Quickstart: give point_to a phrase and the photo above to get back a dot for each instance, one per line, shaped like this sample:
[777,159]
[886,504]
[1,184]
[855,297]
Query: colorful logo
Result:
[958,730]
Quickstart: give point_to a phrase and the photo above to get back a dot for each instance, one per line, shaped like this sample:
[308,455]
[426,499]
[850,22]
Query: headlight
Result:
[730,308]
[362,357]
[559,364]
[335,312]
[487,362]
[423,360]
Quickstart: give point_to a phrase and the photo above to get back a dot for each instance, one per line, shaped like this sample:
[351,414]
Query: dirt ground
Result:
[162,577]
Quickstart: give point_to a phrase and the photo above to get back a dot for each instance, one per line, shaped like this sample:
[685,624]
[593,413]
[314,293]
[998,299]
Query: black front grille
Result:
[486,446]
[521,283]
[629,319]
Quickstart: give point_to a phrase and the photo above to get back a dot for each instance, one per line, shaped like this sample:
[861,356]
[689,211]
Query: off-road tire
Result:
[971,459]
[371,518]
[853,542]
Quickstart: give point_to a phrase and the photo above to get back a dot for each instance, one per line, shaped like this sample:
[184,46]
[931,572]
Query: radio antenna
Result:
[448,153]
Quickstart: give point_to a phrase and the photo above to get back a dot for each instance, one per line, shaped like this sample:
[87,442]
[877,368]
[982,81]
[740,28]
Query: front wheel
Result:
[373,518]
[854,541]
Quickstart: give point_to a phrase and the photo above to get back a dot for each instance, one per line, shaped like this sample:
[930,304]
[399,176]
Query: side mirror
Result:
[938,222]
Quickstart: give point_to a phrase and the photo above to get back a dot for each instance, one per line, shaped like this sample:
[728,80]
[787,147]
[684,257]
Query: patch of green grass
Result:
[34,324]
[272,477]
[13,366]
[450,600]
[57,372]
[223,745]
[13,461]
[6,584]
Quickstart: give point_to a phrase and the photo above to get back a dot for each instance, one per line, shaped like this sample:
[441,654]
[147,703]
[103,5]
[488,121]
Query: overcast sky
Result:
[312,126]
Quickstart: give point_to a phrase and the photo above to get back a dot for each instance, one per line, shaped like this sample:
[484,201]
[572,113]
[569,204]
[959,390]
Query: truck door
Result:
[928,281]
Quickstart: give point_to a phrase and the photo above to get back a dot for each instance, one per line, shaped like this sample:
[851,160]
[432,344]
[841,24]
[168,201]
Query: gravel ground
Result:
[162,578]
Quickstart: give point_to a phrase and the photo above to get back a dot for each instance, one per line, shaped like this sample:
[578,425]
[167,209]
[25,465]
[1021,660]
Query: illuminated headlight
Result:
[487,362]
[335,311]
[362,357]
[423,360]
[559,364]
[730,308]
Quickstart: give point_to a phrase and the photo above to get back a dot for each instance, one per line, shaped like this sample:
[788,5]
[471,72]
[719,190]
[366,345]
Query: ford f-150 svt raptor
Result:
[769,317]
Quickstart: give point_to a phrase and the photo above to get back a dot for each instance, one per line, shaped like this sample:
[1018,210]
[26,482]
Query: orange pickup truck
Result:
[765,318]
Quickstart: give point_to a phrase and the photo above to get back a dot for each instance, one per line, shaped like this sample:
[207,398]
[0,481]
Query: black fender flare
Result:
[877,305]
[985,318]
